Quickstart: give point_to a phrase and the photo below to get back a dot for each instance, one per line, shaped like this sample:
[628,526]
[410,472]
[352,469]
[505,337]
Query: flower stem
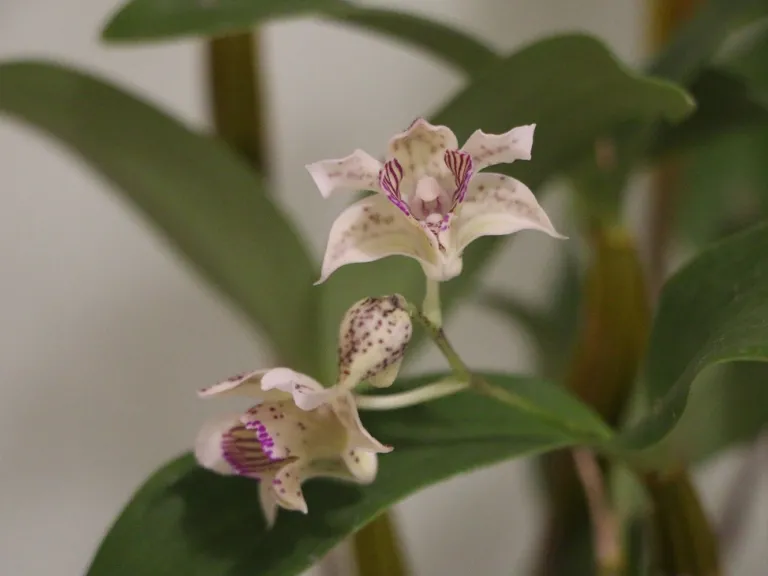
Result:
[419,395]
[437,335]
[431,306]
[462,373]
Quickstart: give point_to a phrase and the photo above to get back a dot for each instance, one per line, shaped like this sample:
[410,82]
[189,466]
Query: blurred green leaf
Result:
[697,41]
[586,98]
[209,205]
[724,182]
[726,105]
[727,406]
[714,310]
[188,521]
[152,20]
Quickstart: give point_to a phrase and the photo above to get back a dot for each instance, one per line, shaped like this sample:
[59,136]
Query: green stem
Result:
[431,306]
[440,389]
[482,386]
[236,99]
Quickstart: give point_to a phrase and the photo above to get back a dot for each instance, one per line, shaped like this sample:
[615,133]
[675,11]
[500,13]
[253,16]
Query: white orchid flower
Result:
[432,199]
[298,430]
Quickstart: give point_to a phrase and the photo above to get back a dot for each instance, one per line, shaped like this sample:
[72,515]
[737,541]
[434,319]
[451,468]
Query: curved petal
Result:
[358,438]
[420,149]
[497,205]
[307,393]
[358,171]
[246,384]
[373,336]
[225,445]
[489,149]
[371,229]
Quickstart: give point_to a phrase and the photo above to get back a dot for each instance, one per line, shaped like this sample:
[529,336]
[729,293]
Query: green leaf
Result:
[585,99]
[726,104]
[728,406]
[209,205]
[150,19]
[714,310]
[185,520]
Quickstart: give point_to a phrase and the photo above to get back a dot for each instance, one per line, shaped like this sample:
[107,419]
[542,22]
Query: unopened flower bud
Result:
[372,339]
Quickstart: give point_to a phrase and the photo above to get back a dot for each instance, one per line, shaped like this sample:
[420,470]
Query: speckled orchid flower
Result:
[301,430]
[298,430]
[432,199]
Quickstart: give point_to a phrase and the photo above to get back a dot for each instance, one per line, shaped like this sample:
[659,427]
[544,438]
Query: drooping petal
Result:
[358,171]
[286,487]
[420,149]
[497,205]
[371,229]
[226,446]
[489,149]
[373,336]
[357,436]
[307,393]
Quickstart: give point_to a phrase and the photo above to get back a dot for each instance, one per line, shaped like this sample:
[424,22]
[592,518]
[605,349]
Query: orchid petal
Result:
[489,149]
[357,436]
[373,336]
[371,229]
[497,205]
[420,149]
[307,393]
[286,487]
[358,171]
[246,384]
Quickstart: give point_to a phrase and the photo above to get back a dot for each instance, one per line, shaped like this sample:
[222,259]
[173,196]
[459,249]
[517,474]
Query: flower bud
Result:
[372,339]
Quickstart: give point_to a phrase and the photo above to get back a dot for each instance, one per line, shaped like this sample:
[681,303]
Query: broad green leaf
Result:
[208,204]
[714,310]
[185,520]
[153,19]
[585,99]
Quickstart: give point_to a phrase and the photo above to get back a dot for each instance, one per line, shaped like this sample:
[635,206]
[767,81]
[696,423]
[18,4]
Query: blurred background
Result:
[105,335]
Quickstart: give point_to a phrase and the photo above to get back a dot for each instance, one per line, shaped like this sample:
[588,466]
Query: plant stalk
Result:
[236,92]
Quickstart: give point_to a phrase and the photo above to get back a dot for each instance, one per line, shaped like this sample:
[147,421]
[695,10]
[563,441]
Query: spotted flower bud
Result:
[372,339]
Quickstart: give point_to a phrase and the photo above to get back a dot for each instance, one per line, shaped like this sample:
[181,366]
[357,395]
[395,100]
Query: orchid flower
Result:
[431,199]
[298,430]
